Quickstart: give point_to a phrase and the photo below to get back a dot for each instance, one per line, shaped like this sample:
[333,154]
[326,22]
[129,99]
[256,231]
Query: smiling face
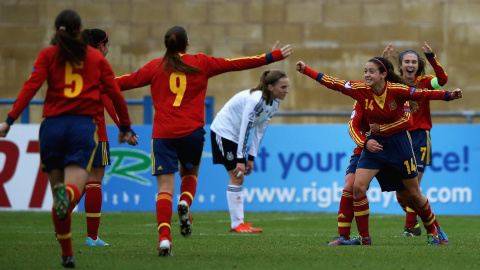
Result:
[280,89]
[373,77]
[409,66]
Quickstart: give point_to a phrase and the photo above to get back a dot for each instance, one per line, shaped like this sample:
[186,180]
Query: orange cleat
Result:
[245,228]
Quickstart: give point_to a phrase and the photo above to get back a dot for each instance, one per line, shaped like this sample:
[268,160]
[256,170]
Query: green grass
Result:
[289,241]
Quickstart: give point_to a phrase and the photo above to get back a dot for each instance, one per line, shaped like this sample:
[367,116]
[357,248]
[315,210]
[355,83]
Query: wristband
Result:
[448,96]
[434,83]
[133,132]
[125,128]
[9,120]
[430,55]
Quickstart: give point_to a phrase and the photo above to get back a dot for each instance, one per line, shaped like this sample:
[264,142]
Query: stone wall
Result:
[335,37]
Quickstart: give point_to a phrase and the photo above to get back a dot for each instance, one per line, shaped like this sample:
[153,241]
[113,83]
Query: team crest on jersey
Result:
[392,105]
[354,113]
[348,86]
[229,156]
[412,90]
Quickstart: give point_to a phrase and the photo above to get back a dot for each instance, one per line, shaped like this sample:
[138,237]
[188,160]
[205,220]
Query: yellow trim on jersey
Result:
[247,57]
[380,100]
[354,135]
[404,119]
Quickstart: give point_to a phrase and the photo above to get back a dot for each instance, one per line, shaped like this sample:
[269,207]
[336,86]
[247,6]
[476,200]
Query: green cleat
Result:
[61,201]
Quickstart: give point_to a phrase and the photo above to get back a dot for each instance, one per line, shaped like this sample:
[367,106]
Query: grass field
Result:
[289,241]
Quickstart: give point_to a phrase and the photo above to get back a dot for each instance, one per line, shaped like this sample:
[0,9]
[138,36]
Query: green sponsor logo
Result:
[129,164]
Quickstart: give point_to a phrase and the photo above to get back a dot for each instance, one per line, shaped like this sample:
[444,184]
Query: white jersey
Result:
[242,113]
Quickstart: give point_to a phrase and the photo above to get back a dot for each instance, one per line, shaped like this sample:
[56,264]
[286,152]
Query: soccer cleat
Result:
[357,241]
[407,232]
[165,248]
[337,242]
[68,262]
[245,228]
[96,243]
[433,239]
[186,220]
[61,201]
[417,230]
[442,236]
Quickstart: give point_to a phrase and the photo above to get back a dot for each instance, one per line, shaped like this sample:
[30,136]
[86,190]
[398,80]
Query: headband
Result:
[103,40]
[386,70]
[409,51]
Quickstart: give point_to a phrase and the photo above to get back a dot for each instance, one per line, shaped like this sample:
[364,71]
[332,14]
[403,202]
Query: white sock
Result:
[235,204]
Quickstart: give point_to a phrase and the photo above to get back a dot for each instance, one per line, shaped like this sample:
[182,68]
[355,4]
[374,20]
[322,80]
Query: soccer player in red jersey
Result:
[75,74]
[382,96]
[178,83]
[412,70]
[98,39]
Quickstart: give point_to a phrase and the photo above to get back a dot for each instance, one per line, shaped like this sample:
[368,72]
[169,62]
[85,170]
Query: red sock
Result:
[362,212]
[345,214]
[93,207]
[73,195]
[411,217]
[188,188]
[164,215]
[428,218]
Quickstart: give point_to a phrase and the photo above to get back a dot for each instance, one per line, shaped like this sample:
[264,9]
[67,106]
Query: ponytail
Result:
[67,37]
[268,77]
[176,42]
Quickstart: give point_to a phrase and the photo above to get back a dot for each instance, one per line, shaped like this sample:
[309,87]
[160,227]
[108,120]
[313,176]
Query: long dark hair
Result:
[384,65]
[67,37]
[95,37]
[268,77]
[421,63]
[176,40]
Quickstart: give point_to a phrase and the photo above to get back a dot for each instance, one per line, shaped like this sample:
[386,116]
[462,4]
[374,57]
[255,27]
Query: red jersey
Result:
[106,104]
[71,90]
[359,129]
[179,98]
[386,108]
[422,118]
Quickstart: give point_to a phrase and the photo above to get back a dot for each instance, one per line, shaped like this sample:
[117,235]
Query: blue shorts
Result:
[102,155]
[397,153]
[66,139]
[166,153]
[352,167]
[422,148]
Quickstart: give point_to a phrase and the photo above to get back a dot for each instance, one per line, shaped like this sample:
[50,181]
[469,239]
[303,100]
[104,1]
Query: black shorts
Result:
[224,152]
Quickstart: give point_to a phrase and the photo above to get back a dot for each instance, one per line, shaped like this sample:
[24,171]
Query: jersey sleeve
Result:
[357,126]
[218,66]
[30,87]
[113,91]
[248,118]
[257,136]
[107,103]
[441,76]
[343,86]
[139,78]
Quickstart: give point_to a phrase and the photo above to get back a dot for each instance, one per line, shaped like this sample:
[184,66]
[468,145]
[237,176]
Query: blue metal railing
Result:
[146,102]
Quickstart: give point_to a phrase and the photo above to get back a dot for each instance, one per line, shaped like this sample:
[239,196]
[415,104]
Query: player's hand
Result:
[286,50]
[373,146]
[388,51]
[133,140]
[124,136]
[457,94]
[426,48]
[4,128]
[300,66]
[249,168]
[239,170]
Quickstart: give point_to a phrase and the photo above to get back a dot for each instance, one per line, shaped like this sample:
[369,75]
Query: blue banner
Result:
[298,168]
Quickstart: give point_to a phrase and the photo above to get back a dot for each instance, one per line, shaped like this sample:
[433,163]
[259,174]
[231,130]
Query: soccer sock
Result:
[361,210]
[188,188]
[73,195]
[235,204]
[411,217]
[164,215]
[345,214]
[63,227]
[428,218]
[93,207]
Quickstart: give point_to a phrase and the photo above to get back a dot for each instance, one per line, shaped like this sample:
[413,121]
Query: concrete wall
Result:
[335,37]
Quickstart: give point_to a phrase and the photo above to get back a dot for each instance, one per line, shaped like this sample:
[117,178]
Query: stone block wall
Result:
[335,37]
